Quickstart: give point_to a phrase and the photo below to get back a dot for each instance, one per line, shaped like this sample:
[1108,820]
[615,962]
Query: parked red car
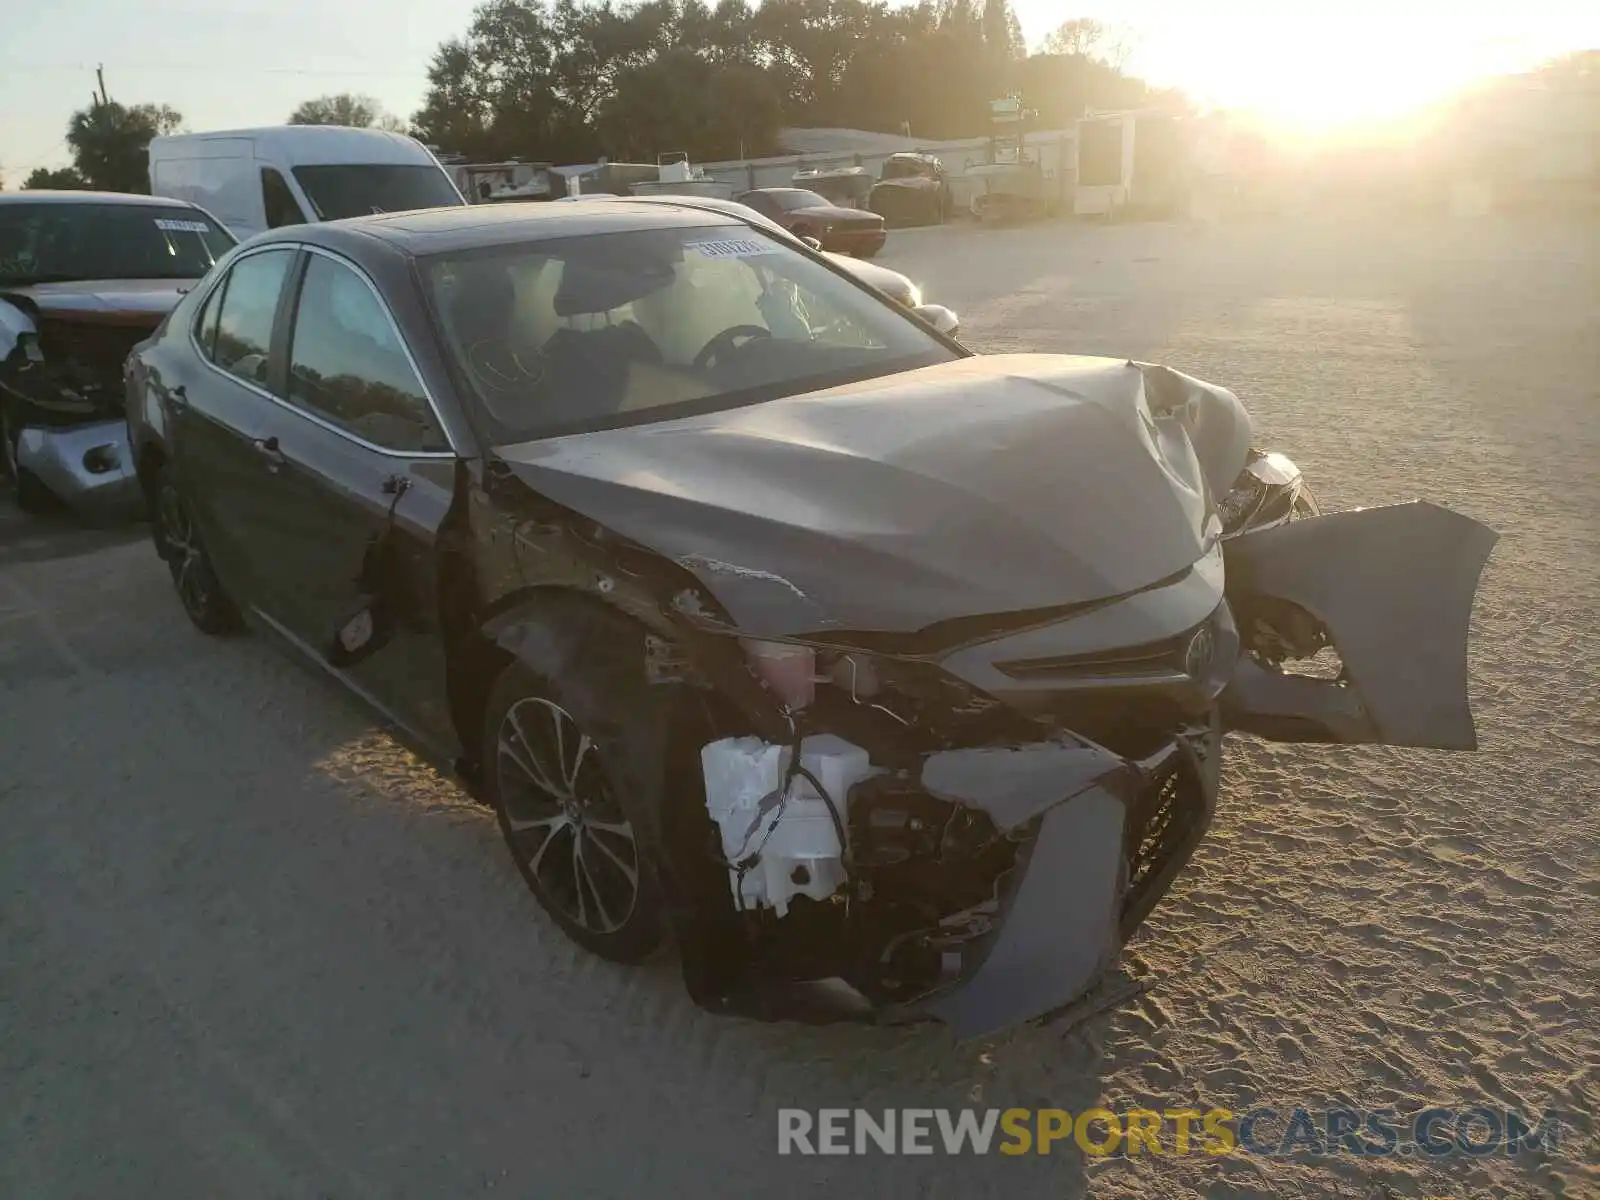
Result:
[806,214]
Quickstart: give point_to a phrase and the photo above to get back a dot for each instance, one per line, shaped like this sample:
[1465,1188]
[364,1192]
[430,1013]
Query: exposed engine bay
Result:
[63,436]
[905,810]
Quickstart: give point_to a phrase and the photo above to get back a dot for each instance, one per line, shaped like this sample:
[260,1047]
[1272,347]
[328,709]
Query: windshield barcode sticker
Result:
[172,226]
[732,248]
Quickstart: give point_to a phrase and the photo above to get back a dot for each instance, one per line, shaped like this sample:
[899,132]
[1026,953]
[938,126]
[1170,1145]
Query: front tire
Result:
[555,793]
[178,542]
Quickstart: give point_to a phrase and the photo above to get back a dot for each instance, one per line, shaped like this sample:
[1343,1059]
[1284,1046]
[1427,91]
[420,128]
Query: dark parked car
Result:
[913,190]
[84,276]
[806,214]
[889,677]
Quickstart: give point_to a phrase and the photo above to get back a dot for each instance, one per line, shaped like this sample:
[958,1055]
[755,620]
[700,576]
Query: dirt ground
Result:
[251,948]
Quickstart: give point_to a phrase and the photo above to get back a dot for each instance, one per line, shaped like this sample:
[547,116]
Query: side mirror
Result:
[940,317]
[812,242]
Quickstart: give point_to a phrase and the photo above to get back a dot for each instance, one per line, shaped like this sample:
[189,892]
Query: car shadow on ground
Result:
[61,533]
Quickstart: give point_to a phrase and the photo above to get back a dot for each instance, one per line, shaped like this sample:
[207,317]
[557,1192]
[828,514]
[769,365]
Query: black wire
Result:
[796,769]
[832,812]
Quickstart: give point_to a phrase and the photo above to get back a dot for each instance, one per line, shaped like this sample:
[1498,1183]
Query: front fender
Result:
[1393,588]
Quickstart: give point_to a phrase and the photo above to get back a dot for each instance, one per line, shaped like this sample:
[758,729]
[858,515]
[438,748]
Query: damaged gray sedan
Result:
[890,679]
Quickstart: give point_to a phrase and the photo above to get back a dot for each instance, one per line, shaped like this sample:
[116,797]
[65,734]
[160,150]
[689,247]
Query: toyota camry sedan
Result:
[891,680]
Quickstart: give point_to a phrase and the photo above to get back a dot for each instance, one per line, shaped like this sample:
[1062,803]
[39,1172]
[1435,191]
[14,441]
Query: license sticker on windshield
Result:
[732,248]
[172,226]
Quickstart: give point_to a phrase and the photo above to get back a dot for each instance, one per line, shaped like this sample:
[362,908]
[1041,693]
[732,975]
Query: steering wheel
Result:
[724,341]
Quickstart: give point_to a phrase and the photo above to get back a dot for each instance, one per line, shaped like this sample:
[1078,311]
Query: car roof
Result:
[48,196]
[310,145]
[787,190]
[469,227]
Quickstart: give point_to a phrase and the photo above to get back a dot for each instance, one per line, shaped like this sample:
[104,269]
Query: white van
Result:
[257,179]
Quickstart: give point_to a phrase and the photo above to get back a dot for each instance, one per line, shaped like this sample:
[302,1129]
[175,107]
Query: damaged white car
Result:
[84,277]
[888,677]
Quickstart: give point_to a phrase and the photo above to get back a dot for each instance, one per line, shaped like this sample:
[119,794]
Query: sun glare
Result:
[1315,75]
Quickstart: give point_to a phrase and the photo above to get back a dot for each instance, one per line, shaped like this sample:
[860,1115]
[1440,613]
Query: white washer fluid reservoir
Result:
[800,854]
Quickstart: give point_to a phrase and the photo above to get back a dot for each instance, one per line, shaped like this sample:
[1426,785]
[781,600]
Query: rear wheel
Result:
[178,541]
[556,792]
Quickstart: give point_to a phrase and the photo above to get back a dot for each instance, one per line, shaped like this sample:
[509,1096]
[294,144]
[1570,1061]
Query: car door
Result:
[218,409]
[361,481]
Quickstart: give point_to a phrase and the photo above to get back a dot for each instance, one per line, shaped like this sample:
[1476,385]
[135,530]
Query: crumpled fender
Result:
[1394,587]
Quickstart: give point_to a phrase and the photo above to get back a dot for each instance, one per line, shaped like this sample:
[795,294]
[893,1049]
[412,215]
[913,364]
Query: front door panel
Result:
[351,547]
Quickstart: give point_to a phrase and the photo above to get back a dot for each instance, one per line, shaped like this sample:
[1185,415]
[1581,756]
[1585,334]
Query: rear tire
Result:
[177,539]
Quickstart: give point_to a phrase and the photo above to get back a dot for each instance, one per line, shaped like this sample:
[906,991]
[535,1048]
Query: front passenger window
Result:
[348,366]
[244,323]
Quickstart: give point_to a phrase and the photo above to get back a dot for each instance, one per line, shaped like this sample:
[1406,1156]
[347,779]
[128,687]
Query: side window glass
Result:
[347,364]
[244,323]
[281,206]
[205,325]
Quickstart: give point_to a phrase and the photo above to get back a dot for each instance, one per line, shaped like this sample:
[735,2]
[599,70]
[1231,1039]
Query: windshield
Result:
[359,190]
[58,243]
[790,199]
[628,328]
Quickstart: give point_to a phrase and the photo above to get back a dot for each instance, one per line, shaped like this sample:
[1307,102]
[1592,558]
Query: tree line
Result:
[569,81]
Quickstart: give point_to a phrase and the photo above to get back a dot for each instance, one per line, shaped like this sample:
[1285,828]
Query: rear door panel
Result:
[356,496]
[218,419]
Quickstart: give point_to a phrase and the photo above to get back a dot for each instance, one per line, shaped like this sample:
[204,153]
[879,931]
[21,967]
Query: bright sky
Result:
[236,63]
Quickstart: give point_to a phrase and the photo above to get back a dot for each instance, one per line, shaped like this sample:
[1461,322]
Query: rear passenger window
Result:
[244,322]
[281,206]
[348,366]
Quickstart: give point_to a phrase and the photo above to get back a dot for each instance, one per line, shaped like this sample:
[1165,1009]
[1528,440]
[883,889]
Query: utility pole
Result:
[100,77]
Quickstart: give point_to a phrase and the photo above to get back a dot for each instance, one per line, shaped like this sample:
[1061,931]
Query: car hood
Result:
[984,485]
[835,212]
[105,301]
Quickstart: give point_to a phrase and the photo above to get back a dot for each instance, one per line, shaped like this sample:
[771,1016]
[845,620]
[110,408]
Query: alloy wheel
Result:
[185,558]
[565,827]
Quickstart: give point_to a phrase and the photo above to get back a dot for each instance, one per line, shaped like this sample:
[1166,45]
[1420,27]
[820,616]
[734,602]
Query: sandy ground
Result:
[249,947]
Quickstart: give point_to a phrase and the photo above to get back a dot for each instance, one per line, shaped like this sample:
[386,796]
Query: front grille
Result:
[99,349]
[1189,653]
[1165,823]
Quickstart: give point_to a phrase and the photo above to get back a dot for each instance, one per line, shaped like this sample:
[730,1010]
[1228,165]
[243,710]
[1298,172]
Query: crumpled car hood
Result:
[106,301]
[985,485]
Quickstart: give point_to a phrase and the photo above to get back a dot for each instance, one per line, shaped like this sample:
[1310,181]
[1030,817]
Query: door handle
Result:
[179,396]
[267,447]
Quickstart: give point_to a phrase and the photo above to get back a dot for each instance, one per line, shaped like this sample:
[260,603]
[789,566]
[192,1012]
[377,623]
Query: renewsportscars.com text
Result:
[1431,1132]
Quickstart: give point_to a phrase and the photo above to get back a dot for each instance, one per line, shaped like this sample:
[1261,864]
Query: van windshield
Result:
[359,190]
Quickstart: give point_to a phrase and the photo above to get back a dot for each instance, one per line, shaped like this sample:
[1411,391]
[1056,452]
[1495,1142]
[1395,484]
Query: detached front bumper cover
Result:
[1394,589]
[90,467]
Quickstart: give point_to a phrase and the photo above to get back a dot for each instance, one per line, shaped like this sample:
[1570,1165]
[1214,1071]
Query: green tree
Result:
[567,80]
[346,108]
[680,100]
[54,179]
[110,142]
[496,92]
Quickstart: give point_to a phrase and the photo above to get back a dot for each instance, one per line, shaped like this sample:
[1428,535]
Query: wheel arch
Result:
[543,627]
